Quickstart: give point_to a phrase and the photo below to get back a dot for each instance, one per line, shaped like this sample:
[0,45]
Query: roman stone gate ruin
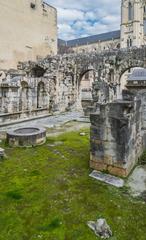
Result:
[55,84]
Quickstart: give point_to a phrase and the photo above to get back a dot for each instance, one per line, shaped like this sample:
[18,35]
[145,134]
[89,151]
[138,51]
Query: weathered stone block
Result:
[116,141]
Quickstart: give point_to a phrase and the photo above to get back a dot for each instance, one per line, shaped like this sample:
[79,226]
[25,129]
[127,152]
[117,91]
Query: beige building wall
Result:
[28,30]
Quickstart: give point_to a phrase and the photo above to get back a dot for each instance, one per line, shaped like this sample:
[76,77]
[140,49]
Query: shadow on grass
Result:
[14,194]
[56,223]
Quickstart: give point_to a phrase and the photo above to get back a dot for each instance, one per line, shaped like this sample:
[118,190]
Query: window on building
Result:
[144,22]
[86,75]
[130,42]
[130,11]
[32,5]
[4,93]
[118,45]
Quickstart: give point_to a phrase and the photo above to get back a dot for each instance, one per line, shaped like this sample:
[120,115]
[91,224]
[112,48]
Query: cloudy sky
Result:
[80,18]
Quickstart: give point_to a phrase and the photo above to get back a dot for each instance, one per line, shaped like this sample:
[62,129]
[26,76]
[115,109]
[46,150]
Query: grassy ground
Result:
[45,193]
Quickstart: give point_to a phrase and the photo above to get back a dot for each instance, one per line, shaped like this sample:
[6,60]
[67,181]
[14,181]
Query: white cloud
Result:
[69,15]
[80,18]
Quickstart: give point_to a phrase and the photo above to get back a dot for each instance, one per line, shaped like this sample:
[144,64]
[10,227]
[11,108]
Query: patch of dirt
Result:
[68,127]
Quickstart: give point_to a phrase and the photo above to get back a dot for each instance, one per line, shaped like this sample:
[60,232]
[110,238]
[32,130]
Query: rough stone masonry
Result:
[116,136]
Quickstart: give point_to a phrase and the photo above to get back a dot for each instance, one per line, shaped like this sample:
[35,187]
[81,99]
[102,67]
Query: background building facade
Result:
[98,43]
[131,34]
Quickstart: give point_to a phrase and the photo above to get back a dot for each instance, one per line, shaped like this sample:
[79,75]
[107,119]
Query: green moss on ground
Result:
[46,193]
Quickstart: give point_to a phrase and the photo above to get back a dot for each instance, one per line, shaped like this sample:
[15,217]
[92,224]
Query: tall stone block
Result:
[116,141]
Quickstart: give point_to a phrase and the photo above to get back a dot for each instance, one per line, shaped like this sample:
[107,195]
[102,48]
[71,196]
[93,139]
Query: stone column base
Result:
[114,170]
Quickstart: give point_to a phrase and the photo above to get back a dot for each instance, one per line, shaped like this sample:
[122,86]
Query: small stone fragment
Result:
[82,134]
[107,178]
[55,144]
[101,228]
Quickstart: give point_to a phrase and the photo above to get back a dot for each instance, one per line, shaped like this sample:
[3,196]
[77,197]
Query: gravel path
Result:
[50,122]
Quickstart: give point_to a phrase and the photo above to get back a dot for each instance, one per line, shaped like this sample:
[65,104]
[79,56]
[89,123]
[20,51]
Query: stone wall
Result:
[55,83]
[24,96]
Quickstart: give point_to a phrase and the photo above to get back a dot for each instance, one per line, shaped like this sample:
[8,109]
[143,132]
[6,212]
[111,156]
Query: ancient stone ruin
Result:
[55,84]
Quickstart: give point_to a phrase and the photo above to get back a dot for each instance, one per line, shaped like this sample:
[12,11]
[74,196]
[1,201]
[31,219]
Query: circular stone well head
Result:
[29,136]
